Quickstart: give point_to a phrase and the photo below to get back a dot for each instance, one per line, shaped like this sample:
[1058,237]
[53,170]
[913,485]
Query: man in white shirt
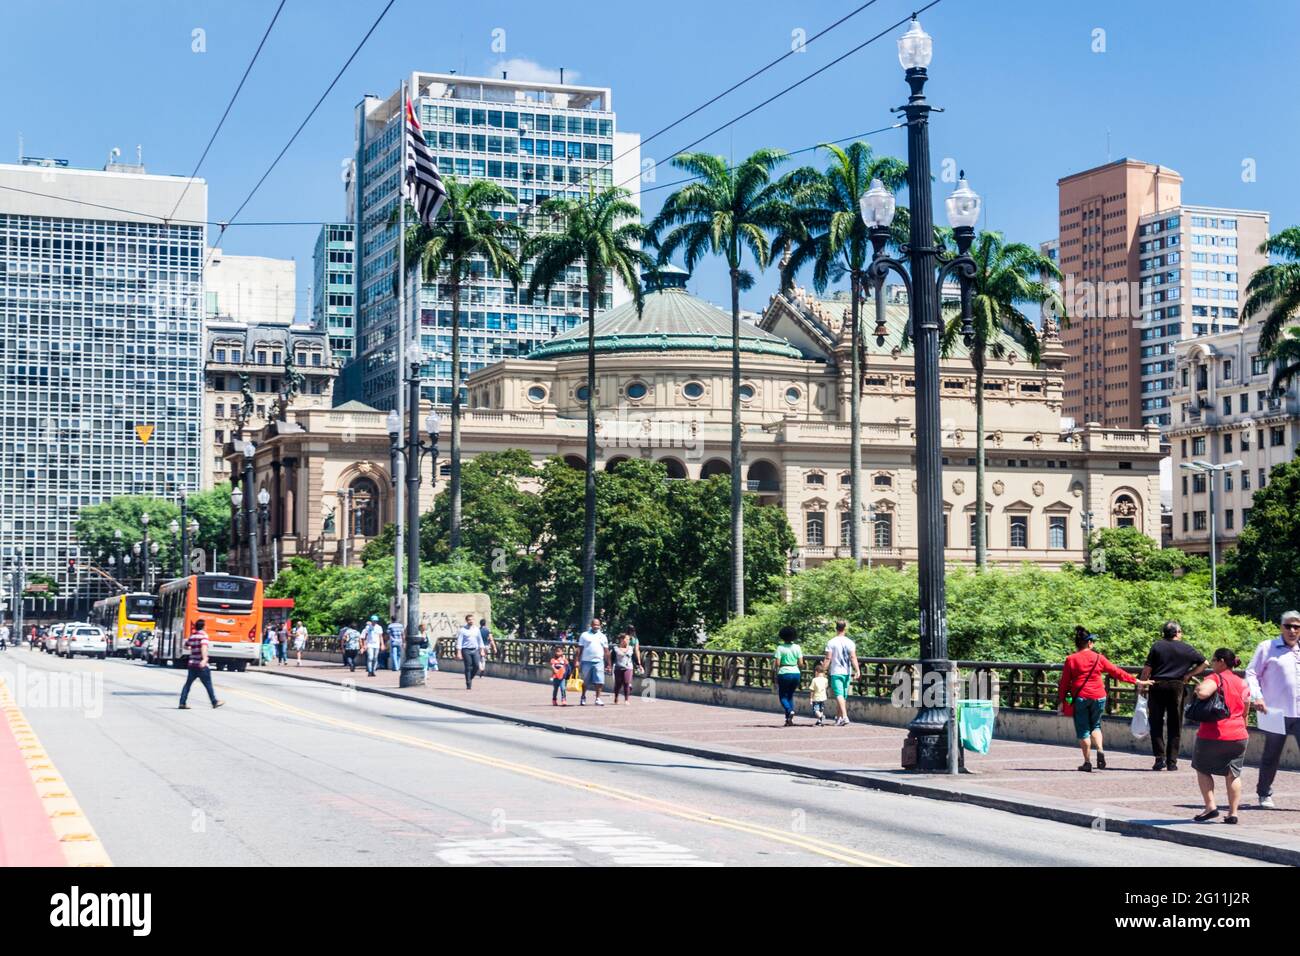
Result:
[372,638]
[469,648]
[841,665]
[1274,678]
[4,636]
[593,656]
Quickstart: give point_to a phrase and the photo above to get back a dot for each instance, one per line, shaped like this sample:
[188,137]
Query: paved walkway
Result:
[1041,775]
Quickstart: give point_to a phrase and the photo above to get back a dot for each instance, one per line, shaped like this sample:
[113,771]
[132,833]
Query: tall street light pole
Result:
[1210,470]
[412,674]
[931,744]
[250,533]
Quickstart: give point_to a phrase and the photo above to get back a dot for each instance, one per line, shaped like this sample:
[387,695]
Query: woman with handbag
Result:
[1082,694]
[1220,705]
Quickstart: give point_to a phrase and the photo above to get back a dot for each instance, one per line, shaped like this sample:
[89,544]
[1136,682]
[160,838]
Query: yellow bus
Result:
[121,616]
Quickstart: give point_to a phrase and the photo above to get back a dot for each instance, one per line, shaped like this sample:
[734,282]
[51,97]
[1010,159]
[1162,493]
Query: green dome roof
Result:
[671,319]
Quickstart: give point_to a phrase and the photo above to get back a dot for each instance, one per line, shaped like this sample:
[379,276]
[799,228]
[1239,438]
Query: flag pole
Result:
[399,504]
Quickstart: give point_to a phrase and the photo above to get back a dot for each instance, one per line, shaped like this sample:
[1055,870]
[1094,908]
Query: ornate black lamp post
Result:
[931,744]
[250,532]
[412,451]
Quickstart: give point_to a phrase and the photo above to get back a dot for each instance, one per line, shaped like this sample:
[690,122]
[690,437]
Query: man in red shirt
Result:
[199,669]
[1082,693]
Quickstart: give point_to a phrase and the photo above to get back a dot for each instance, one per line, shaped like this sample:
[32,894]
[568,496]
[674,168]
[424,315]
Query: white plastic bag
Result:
[1141,719]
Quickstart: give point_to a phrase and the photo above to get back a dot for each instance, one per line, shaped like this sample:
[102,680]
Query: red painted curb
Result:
[26,836]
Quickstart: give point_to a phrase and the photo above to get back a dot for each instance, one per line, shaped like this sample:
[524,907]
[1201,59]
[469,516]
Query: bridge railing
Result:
[1024,685]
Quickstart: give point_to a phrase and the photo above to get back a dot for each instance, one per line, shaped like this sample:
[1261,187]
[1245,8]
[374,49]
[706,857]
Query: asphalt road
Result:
[297,773]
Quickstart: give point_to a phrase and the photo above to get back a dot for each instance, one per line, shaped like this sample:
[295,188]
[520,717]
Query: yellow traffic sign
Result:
[144,433]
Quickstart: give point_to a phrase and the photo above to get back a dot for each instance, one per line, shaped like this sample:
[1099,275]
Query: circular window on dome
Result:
[637,390]
[537,394]
[693,390]
[746,392]
[582,393]
[792,395]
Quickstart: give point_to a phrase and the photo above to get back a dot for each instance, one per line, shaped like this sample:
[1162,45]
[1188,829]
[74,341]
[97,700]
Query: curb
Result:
[77,840]
[1184,834]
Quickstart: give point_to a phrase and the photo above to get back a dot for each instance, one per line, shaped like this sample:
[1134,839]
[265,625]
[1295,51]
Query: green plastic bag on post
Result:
[975,723]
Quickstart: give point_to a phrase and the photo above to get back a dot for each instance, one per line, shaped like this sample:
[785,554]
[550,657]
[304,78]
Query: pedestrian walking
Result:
[559,675]
[268,645]
[351,642]
[299,640]
[636,648]
[789,656]
[372,642]
[1274,679]
[282,642]
[1221,744]
[1171,661]
[469,648]
[841,666]
[623,664]
[198,667]
[395,644]
[1082,694]
[593,658]
[4,635]
[431,648]
[817,693]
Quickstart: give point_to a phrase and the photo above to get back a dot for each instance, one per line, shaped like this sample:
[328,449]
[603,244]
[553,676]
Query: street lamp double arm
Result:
[923,268]
[412,451]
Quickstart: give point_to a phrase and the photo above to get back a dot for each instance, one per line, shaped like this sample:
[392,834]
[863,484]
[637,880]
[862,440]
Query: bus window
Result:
[140,607]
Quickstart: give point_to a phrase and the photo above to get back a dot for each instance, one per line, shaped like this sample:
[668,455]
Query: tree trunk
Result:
[981,521]
[855,423]
[737,504]
[589,494]
[454,519]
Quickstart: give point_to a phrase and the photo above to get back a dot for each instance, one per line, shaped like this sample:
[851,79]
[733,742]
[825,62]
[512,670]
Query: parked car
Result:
[87,639]
[50,644]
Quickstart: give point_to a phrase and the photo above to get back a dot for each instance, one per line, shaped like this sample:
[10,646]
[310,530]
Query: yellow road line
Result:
[810,844]
[77,838]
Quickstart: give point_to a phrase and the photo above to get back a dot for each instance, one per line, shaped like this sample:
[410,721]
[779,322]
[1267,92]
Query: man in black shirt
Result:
[1170,663]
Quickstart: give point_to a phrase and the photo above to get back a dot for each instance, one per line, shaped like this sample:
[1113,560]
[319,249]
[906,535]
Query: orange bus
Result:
[231,608]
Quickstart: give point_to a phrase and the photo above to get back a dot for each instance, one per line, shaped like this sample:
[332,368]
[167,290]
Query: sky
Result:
[1031,91]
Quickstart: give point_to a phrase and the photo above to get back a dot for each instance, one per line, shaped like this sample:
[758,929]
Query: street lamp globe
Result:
[247,450]
[175,527]
[117,534]
[394,424]
[112,561]
[963,205]
[877,206]
[263,497]
[144,519]
[915,47]
[135,549]
[153,548]
[194,527]
[237,498]
[415,357]
[432,424]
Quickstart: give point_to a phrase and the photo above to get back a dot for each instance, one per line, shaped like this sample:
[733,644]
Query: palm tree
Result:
[726,211]
[828,232]
[1286,353]
[605,236]
[1007,275]
[465,234]
[1275,288]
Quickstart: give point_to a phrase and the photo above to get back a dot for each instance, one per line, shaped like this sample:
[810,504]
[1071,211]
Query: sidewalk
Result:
[1028,778]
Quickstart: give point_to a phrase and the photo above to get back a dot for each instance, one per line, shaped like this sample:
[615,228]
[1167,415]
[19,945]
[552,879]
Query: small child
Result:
[559,674]
[818,695]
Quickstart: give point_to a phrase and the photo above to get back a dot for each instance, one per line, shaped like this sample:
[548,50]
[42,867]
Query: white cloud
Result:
[530,71]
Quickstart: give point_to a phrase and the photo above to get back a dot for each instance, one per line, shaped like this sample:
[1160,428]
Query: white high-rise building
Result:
[1194,265]
[101,314]
[537,140]
[251,289]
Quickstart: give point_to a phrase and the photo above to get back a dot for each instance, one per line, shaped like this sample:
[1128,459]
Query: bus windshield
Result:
[140,607]
[222,589]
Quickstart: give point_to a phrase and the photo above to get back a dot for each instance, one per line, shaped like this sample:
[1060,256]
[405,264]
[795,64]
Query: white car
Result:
[51,640]
[83,639]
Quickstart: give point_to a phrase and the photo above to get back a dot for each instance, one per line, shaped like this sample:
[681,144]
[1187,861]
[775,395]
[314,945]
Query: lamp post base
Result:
[926,747]
[412,674]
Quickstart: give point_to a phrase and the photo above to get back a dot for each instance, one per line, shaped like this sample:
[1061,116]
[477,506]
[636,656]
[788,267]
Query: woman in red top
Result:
[1221,744]
[1082,693]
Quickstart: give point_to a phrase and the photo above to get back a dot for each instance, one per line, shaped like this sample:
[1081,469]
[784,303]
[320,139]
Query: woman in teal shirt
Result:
[788,655]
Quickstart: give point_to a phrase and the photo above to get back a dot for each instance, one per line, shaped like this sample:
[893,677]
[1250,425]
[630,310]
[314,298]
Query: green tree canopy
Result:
[1265,566]
[1128,554]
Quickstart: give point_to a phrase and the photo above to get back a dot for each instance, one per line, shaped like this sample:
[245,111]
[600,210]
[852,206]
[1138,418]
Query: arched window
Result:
[364,518]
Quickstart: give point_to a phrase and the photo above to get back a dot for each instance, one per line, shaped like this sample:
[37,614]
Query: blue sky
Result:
[1193,84]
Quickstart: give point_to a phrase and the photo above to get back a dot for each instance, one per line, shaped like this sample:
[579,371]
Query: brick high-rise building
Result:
[1099,213]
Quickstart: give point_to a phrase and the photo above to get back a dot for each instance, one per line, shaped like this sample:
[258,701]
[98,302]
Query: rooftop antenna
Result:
[20,147]
[139,154]
[113,154]
[561,76]
[503,74]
